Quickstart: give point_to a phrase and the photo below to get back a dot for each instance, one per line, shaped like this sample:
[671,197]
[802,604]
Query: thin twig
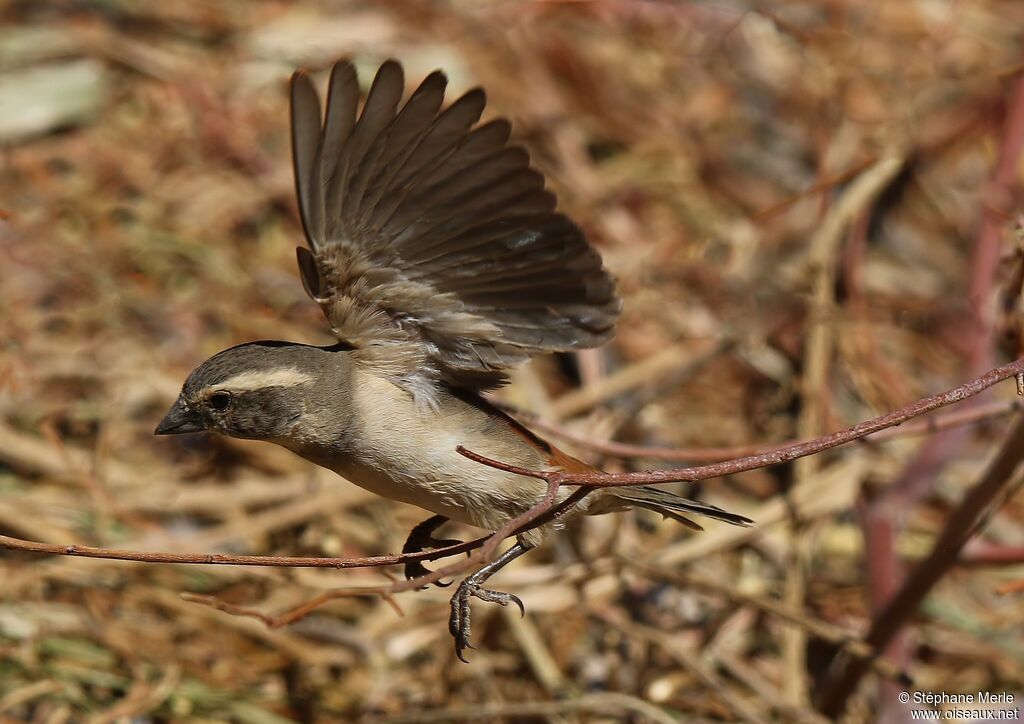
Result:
[224,559]
[298,612]
[771,457]
[979,413]
[477,558]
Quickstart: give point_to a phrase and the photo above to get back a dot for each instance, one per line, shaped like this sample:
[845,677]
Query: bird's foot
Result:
[460,624]
[421,539]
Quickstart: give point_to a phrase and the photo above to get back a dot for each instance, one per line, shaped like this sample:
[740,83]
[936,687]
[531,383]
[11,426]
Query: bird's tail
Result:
[671,505]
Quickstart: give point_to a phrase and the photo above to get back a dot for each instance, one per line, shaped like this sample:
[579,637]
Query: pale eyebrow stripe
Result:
[259,379]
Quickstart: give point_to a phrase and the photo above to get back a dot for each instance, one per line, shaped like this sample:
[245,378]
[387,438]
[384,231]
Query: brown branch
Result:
[223,559]
[962,524]
[769,457]
[541,513]
[979,413]
[992,555]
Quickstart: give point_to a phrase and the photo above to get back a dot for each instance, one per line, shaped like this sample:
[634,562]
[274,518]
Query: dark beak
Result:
[180,418]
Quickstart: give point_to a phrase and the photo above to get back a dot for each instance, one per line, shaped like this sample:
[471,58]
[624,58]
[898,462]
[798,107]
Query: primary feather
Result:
[435,250]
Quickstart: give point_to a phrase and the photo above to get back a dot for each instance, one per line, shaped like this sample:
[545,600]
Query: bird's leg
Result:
[472,587]
[420,538]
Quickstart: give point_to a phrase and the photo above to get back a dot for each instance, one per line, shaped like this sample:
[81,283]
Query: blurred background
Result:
[810,209]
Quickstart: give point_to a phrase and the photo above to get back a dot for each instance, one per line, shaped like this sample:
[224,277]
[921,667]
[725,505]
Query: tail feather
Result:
[672,505]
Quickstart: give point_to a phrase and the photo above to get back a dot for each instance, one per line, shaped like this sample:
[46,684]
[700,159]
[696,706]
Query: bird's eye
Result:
[219,401]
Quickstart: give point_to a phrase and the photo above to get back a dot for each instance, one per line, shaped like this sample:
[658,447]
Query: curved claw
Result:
[415,569]
[443,542]
[517,601]
[460,646]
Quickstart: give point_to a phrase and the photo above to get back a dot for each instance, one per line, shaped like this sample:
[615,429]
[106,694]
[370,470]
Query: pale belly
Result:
[402,451]
[443,482]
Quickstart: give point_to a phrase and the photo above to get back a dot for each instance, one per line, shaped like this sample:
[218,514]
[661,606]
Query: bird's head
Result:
[256,391]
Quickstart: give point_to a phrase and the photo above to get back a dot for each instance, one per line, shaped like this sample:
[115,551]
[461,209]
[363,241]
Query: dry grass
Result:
[705,148]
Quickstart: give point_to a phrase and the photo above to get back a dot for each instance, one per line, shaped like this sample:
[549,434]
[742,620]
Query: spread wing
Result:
[435,250]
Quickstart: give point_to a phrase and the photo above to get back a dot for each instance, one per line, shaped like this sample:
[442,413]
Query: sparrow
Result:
[440,262]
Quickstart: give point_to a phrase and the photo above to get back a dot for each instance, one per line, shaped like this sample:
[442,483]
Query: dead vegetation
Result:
[810,210]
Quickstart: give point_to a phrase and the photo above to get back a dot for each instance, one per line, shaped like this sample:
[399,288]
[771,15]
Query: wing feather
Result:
[305,106]
[342,104]
[435,250]
[344,187]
